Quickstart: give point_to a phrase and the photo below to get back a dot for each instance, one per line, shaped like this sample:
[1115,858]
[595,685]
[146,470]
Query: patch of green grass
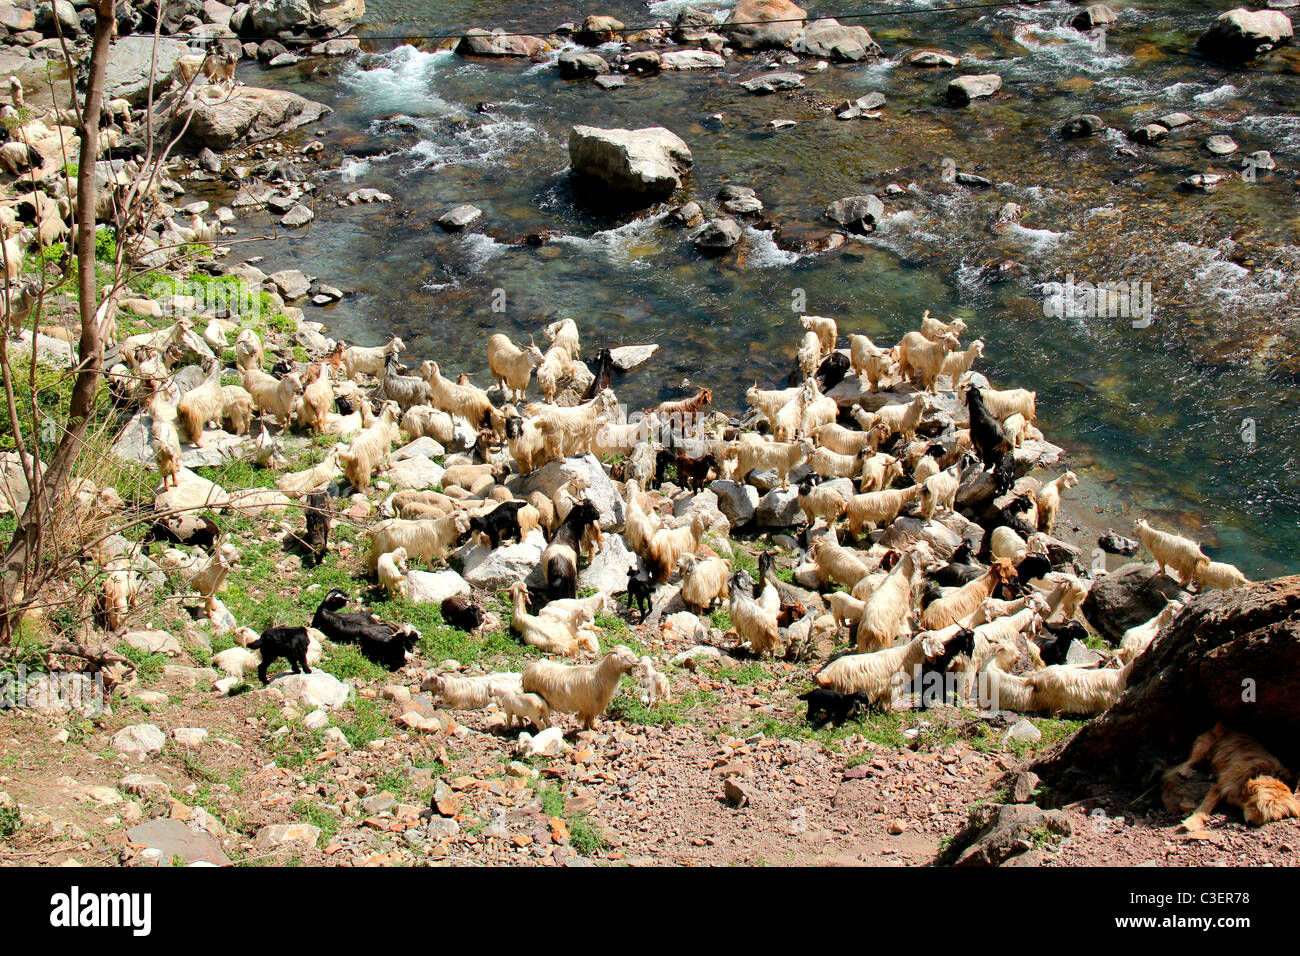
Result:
[10,821]
[148,667]
[369,722]
[318,815]
[584,837]
[627,707]
[721,619]
[750,673]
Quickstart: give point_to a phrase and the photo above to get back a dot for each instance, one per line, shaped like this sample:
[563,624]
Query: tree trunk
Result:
[24,547]
[1230,655]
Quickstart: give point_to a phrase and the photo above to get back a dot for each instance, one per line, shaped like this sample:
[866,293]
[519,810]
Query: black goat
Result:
[344,405]
[281,368]
[1056,648]
[832,371]
[383,643]
[989,436]
[318,513]
[830,705]
[499,524]
[463,614]
[1030,567]
[288,642]
[604,374]
[932,677]
[959,570]
[560,559]
[641,590]
[184,529]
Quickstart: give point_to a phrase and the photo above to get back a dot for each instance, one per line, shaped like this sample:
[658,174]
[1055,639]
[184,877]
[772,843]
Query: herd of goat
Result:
[955,609]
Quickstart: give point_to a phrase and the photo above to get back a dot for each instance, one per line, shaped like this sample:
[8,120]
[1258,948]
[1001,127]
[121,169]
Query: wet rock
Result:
[297,216]
[575,66]
[636,166]
[1094,17]
[1201,183]
[629,357]
[773,82]
[718,236]
[270,50]
[780,124]
[597,29]
[692,24]
[1081,125]
[1221,145]
[1260,160]
[858,214]
[358,196]
[691,60]
[290,283]
[1150,134]
[611,81]
[496,43]
[763,24]
[270,17]
[964,89]
[842,44]
[457,218]
[931,59]
[689,214]
[1240,35]
[1128,596]
[643,63]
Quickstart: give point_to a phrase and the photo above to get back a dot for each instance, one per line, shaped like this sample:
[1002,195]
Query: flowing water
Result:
[1153,417]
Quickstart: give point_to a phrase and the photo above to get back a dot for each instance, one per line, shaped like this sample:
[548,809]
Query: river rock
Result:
[478,42]
[1081,125]
[763,24]
[1094,17]
[857,214]
[1239,35]
[963,89]
[497,570]
[643,63]
[687,214]
[132,65]
[269,17]
[773,82]
[297,216]
[638,166]
[1221,145]
[628,357]
[691,60]
[434,587]
[931,58]
[842,44]
[718,236]
[575,66]
[1201,183]
[456,219]
[1150,134]
[245,114]
[611,81]
[315,690]
[597,29]
[1130,595]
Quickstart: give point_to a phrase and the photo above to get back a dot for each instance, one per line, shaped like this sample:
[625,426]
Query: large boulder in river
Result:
[857,214]
[269,17]
[1128,596]
[498,43]
[763,24]
[1242,34]
[830,39]
[1231,656]
[246,114]
[133,65]
[963,89]
[634,167]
